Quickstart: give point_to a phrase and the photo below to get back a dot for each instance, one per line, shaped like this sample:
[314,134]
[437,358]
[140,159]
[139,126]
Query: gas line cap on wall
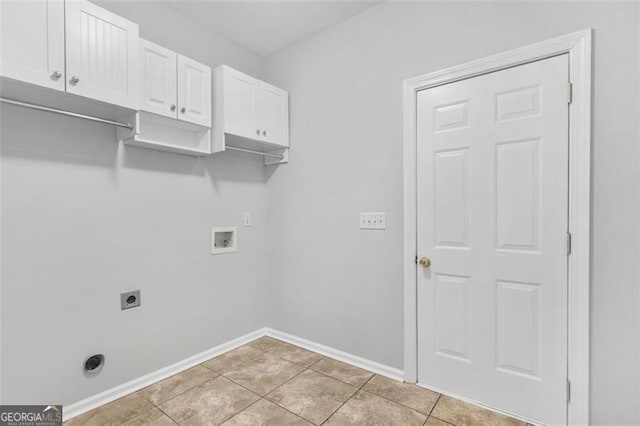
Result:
[94,363]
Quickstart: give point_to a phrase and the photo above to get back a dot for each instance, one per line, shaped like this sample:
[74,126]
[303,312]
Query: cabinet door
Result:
[32,42]
[274,114]
[158,85]
[241,107]
[102,54]
[194,92]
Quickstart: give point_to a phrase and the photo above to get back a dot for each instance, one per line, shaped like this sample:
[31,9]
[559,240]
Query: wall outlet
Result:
[130,299]
[376,220]
[247,219]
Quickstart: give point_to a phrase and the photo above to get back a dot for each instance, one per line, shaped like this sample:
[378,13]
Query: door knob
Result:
[172,108]
[74,80]
[183,110]
[258,132]
[56,75]
[264,133]
[425,261]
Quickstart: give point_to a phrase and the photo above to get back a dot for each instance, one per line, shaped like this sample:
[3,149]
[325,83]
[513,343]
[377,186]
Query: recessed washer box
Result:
[224,239]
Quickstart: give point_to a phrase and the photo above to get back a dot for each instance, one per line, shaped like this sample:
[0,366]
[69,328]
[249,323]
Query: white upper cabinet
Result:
[72,46]
[250,108]
[158,86]
[274,114]
[241,108]
[194,92]
[173,85]
[102,54]
[175,103]
[32,42]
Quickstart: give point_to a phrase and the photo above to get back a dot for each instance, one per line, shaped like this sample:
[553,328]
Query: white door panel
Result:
[158,79]
[194,91]
[32,42]
[102,54]
[492,160]
[274,114]
[241,108]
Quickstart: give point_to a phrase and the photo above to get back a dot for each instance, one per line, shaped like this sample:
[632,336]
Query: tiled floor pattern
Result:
[270,382]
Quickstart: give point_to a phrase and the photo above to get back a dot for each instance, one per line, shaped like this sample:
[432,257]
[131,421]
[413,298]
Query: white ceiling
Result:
[269,25]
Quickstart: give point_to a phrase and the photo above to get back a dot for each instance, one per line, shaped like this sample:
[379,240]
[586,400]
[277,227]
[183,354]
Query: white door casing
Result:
[578,47]
[32,42]
[492,176]
[102,54]
[194,91]
[158,79]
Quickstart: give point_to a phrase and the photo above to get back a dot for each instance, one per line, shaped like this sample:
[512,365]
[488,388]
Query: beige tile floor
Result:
[270,382]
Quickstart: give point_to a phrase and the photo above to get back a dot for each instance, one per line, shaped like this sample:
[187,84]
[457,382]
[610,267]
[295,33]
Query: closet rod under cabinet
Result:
[62,112]
[250,151]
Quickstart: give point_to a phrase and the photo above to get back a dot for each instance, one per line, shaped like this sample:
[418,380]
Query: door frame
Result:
[578,47]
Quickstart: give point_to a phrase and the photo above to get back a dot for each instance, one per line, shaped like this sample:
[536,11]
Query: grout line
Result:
[296,347]
[284,383]
[245,408]
[289,411]
[298,415]
[342,381]
[218,376]
[434,405]
[397,403]
[347,400]
[163,412]
[254,392]
[404,405]
[444,421]
[178,394]
[241,385]
[283,407]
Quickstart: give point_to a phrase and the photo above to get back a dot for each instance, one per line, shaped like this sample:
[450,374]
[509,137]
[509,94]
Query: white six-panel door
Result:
[194,91]
[158,80]
[102,54]
[492,164]
[32,48]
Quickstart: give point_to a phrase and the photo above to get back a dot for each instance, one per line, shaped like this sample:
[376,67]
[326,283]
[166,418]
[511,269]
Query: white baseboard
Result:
[72,410]
[375,367]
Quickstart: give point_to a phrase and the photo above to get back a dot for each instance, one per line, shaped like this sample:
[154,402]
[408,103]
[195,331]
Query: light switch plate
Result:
[247,219]
[373,220]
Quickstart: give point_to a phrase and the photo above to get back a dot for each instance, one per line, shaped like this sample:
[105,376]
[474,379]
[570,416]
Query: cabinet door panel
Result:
[240,104]
[102,54]
[194,91]
[158,86]
[32,42]
[274,114]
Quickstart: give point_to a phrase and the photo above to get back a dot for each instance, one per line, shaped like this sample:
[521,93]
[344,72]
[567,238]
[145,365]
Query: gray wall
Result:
[84,219]
[343,287]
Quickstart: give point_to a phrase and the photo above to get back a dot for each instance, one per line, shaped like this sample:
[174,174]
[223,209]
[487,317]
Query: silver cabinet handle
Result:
[183,110]
[258,132]
[264,133]
[74,80]
[56,75]
[172,108]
